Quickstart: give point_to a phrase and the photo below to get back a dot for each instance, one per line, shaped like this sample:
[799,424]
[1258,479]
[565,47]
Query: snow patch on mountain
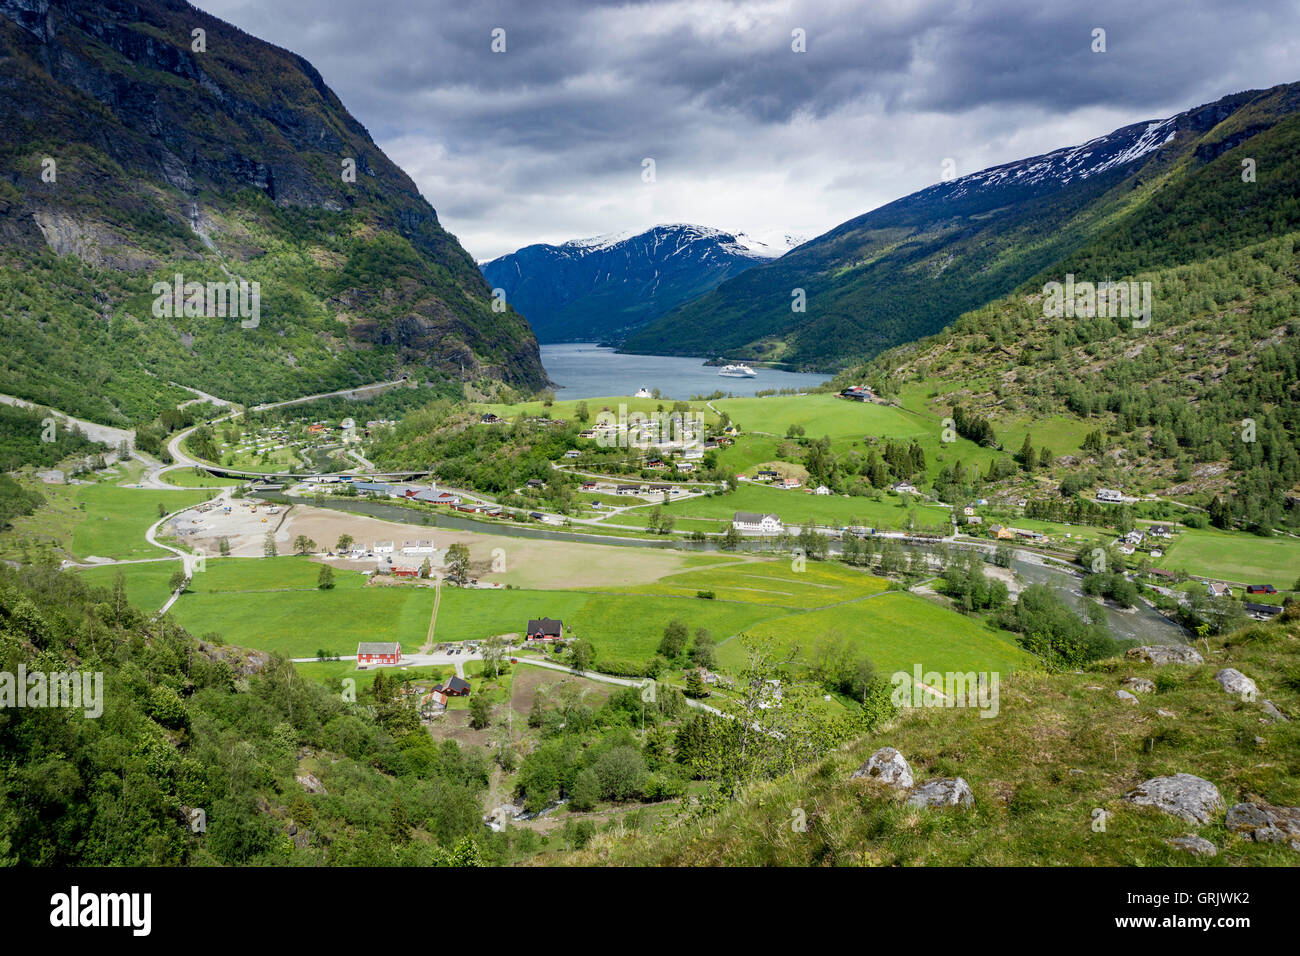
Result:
[1063,166]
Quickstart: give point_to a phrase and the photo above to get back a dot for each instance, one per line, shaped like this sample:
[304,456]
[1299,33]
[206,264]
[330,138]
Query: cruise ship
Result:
[737,371]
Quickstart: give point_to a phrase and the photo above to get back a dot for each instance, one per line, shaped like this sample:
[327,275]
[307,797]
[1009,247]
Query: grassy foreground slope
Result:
[1061,746]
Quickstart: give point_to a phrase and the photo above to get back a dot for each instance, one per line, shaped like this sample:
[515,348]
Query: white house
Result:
[383,547]
[423,546]
[749,521]
[905,487]
[1109,494]
[821,490]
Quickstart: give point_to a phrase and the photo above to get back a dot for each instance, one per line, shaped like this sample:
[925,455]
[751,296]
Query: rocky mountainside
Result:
[145,139]
[911,267]
[605,287]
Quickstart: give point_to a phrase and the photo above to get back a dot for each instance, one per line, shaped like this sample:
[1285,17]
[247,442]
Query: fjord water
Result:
[582,370]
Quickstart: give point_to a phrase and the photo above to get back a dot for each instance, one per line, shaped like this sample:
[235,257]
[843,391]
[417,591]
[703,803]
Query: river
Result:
[589,371]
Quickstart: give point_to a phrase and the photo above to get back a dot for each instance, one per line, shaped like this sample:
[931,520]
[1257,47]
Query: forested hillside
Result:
[145,140]
[283,770]
[1144,197]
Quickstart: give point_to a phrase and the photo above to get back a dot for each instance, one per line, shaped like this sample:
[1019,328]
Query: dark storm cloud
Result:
[546,140]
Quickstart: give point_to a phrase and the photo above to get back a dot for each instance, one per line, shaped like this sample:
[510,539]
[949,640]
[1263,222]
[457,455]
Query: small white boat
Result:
[737,371]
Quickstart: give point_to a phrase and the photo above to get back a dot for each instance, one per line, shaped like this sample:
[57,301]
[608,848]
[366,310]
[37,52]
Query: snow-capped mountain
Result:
[913,266]
[605,286]
[1063,166]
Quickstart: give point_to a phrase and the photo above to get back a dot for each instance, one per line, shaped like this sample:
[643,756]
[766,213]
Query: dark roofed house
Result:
[1260,589]
[455,687]
[545,629]
[1262,612]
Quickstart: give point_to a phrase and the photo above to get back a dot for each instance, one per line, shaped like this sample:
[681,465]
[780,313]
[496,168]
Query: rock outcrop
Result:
[887,766]
[1182,795]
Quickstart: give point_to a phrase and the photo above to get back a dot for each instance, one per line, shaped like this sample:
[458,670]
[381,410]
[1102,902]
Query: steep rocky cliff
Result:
[139,140]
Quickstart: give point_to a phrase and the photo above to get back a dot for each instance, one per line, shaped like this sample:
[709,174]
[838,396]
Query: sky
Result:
[547,139]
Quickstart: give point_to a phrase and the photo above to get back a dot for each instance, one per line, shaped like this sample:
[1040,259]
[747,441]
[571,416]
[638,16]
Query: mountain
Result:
[909,268]
[604,287]
[147,139]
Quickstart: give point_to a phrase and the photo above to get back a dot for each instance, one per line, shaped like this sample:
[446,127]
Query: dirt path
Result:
[433,619]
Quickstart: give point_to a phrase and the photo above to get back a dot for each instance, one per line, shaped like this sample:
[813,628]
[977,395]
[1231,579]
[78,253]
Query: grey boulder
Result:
[1165,654]
[887,766]
[1182,795]
[1236,683]
[946,792]
[1197,846]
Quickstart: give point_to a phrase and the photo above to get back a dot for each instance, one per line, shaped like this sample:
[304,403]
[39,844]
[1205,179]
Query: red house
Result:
[545,629]
[455,687]
[378,652]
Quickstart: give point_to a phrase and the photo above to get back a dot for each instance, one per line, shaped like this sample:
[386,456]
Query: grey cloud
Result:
[550,135]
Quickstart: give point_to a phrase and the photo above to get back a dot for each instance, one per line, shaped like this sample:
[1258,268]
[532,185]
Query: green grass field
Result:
[273,604]
[1235,557]
[567,408]
[773,583]
[821,415]
[795,507]
[186,478]
[147,585]
[115,519]
[898,631]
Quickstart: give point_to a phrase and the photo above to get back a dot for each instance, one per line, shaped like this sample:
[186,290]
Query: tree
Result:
[703,652]
[458,563]
[303,544]
[1026,455]
[621,772]
[730,538]
[494,654]
[695,686]
[268,545]
[581,656]
[581,413]
[344,543]
[179,581]
[325,580]
[399,824]
[586,790]
[224,547]
[480,712]
[674,639]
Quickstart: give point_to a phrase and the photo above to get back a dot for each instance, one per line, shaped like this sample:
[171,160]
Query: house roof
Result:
[1269,609]
[545,625]
[455,683]
[752,517]
[379,647]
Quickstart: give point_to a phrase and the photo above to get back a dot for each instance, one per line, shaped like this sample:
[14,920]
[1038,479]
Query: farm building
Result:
[1260,589]
[383,547]
[455,687]
[378,652]
[753,522]
[1109,494]
[545,629]
[1262,612]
